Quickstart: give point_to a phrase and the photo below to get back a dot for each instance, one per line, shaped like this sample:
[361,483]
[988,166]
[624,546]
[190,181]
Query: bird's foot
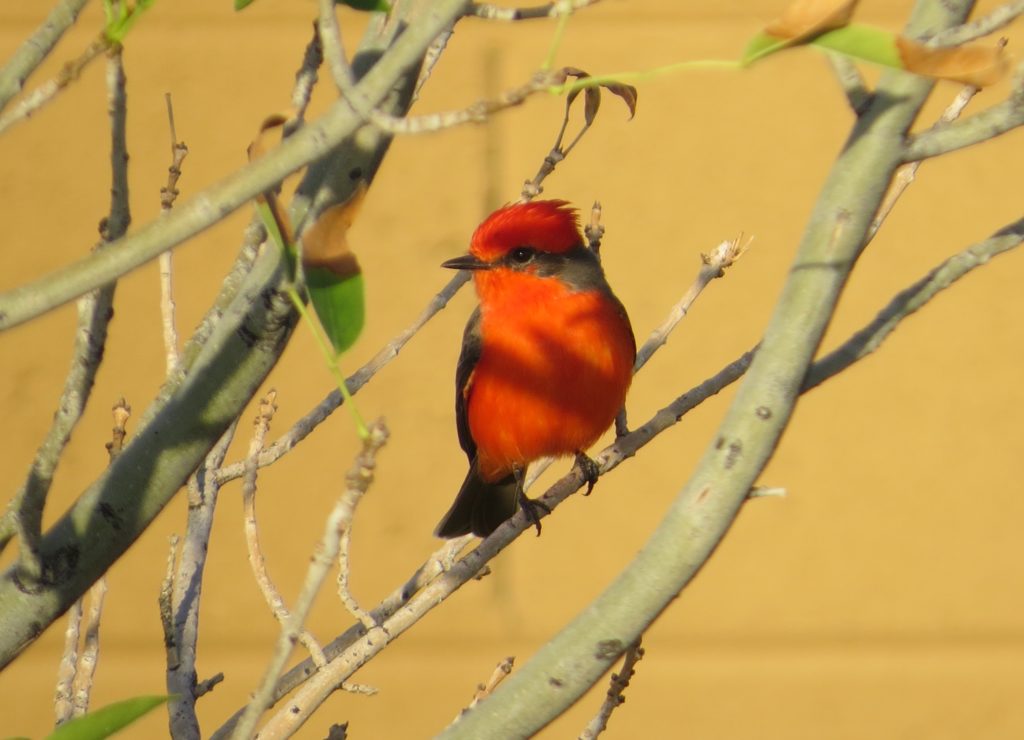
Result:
[533,508]
[589,469]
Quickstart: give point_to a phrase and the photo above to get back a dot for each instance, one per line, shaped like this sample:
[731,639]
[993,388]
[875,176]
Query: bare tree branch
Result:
[1002,16]
[24,514]
[358,481]
[313,141]
[760,411]
[36,48]
[46,92]
[302,428]
[252,540]
[548,10]
[181,595]
[89,657]
[975,129]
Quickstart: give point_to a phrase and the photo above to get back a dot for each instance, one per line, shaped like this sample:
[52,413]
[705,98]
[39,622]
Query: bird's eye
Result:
[522,255]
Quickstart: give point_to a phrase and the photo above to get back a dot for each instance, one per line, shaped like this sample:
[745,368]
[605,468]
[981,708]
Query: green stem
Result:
[647,74]
[331,359]
[556,41]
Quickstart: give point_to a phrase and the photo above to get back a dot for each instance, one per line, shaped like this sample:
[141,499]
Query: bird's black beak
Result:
[466,262]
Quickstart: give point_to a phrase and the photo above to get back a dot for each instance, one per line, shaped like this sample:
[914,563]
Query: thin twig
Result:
[78,669]
[306,78]
[484,690]
[302,428]
[713,265]
[256,559]
[46,92]
[430,60]
[168,194]
[1002,16]
[438,562]
[358,482]
[63,700]
[361,646]
[548,10]
[334,53]
[121,413]
[89,657]
[36,48]
[614,698]
[905,175]
[984,126]
[24,514]
[182,591]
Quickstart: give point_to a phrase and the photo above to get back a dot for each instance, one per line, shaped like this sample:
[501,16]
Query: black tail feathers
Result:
[480,507]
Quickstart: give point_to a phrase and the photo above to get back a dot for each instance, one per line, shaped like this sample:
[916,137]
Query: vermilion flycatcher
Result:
[546,358]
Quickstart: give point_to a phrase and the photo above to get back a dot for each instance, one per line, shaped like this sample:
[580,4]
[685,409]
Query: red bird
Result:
[546,359]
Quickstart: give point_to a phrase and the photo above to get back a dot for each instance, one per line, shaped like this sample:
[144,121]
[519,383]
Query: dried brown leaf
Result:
[325,243]
[972,64]
[271,125]
[804,19]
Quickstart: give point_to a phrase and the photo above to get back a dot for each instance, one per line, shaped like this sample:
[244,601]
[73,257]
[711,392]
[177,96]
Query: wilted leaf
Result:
[333,276]
[592,100]
[105,722]
[970,64]
[803,19]
[257,148]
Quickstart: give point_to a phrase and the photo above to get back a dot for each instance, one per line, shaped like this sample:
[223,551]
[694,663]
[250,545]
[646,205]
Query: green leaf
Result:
[108,720]
[376,6]
[339,304]
[867,43]
[862,42]
[119,24]
[761,46]
[240,4]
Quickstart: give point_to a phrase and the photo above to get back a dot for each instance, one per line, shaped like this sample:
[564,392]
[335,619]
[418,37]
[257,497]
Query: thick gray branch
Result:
[215,383]
[311,143]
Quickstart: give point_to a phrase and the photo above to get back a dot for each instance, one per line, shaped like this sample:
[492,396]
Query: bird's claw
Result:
[531,508]
[589,469]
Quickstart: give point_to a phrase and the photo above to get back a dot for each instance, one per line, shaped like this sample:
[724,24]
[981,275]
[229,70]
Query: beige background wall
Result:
[882,597]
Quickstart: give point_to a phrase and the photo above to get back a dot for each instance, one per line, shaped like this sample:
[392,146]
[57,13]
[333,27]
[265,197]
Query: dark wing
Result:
[472,343]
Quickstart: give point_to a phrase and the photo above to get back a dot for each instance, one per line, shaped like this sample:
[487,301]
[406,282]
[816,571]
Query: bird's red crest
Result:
[547,225]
